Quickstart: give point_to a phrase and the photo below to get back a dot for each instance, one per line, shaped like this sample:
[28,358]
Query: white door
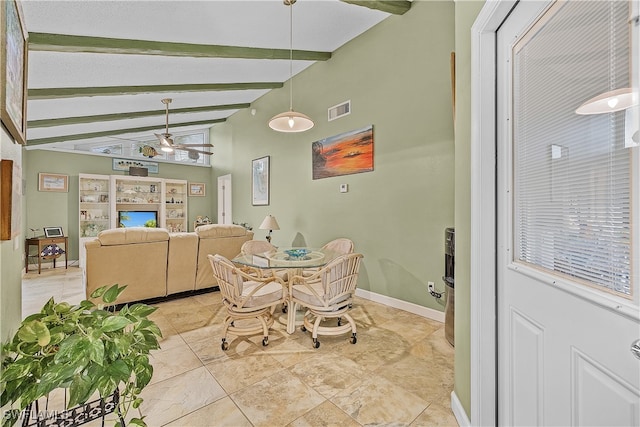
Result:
[224,199]
[568,195]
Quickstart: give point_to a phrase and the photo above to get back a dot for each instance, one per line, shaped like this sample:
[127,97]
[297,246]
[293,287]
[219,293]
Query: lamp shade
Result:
[290,121]
[609,102]
[269,223]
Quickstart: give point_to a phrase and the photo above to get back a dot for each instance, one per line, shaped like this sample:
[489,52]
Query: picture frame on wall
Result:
[53,182]
[13,71]
[197,189]
[260,181]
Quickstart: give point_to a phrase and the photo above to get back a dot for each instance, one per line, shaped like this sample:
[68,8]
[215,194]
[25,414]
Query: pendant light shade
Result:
[609,102]
[290,121]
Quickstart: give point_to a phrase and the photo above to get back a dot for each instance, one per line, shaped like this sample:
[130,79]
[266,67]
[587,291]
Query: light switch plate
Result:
[344,188]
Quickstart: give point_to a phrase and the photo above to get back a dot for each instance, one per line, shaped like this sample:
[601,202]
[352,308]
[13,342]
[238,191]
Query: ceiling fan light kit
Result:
[290,121]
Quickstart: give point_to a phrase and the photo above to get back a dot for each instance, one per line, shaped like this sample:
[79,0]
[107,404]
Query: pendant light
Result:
[290,121]
[609,102]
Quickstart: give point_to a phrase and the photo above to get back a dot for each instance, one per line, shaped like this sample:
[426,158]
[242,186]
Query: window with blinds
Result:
[572,173]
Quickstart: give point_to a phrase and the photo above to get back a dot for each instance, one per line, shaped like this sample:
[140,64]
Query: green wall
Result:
[46,209]
[397,77]
[11,252]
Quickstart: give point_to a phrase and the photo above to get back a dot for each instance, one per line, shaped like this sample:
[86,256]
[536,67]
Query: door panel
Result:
[563,345]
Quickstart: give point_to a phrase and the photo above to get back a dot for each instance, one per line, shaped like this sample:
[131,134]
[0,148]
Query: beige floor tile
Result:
[221,413]
[329,374]
[377,401]
[425,378]
[172,362]
[326,415]
[276,400]
[436,416]
[237,373]
[177,396]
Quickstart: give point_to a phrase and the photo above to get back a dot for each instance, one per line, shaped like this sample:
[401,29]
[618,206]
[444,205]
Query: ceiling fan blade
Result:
[208,153]
[196,145]
[164,138]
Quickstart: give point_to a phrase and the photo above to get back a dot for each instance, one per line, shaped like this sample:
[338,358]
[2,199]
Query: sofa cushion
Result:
[124,236]
[220,230]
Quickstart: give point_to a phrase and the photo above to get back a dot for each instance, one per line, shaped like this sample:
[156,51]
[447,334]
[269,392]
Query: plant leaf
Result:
[114,323]
[80,390]
[120,370]
[96,351]
[112,294]
[142,310]
[34,331]
[18,369]
[99,292]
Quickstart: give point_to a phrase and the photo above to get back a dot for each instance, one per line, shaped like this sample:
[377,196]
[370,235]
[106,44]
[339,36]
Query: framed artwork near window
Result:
[197,189]
[13,71]
[260,181]
[53,182]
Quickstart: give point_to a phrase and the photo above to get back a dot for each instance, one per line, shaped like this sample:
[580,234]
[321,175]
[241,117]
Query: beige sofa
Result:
[154,263]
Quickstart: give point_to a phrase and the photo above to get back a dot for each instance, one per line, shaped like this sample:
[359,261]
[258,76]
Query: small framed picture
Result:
[53,182]
[260,181]
[197,189]
[53,232]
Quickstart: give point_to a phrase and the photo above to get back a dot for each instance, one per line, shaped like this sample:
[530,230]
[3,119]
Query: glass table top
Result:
[288,257]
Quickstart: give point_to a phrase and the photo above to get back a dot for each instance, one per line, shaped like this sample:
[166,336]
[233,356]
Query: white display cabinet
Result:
[175,205]
[94,212]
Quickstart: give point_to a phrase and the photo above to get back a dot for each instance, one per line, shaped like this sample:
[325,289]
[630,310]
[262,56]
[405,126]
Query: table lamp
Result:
[270,224]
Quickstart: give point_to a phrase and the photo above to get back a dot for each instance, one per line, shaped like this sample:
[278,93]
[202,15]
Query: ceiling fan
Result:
[166,139]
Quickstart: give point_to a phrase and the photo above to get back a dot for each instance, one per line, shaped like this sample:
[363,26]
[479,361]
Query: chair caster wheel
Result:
[316,343]
[303,329]
[224,346]
[265,341]
[353,339]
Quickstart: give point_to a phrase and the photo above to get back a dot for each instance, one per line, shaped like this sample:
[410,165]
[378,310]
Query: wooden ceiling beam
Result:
[395,7]
[73,92]
[63,121]
[87,44]
[114,132]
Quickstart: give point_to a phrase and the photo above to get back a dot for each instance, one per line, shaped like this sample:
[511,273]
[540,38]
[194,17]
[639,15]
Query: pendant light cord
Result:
[291,56]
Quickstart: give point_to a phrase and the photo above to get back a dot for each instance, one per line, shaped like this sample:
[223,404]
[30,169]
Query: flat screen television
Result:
[128,219]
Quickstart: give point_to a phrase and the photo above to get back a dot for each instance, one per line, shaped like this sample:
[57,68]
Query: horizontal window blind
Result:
[572,173]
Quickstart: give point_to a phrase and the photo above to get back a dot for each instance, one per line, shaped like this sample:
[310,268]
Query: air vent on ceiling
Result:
[339,110]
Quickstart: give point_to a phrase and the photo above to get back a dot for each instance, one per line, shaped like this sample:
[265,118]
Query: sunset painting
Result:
[344,154]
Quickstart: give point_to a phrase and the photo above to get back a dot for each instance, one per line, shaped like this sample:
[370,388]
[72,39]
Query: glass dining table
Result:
[294,259]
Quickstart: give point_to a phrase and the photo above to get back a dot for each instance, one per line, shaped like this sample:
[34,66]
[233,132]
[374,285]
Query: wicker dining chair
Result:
[327,294]
[246,297]
[339,246]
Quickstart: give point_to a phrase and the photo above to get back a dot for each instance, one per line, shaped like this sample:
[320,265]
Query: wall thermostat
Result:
[344,188]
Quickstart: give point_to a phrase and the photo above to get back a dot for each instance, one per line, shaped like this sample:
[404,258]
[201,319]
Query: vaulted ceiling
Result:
[99,69]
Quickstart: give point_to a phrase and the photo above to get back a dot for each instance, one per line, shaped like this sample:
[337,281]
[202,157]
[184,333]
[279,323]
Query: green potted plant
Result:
[85,349]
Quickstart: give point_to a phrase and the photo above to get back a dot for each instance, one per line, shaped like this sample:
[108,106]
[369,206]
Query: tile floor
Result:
[400,372]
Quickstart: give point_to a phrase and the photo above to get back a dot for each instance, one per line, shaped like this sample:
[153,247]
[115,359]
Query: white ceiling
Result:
[319,25]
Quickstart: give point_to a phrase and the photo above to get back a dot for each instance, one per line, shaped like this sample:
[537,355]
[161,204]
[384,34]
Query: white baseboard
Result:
[459,412]
[429,313]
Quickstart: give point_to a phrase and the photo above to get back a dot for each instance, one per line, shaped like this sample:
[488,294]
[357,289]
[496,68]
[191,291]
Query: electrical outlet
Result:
[344,188]
[431,285]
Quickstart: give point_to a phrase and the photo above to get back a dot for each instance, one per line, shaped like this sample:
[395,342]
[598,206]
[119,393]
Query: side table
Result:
[41,242]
